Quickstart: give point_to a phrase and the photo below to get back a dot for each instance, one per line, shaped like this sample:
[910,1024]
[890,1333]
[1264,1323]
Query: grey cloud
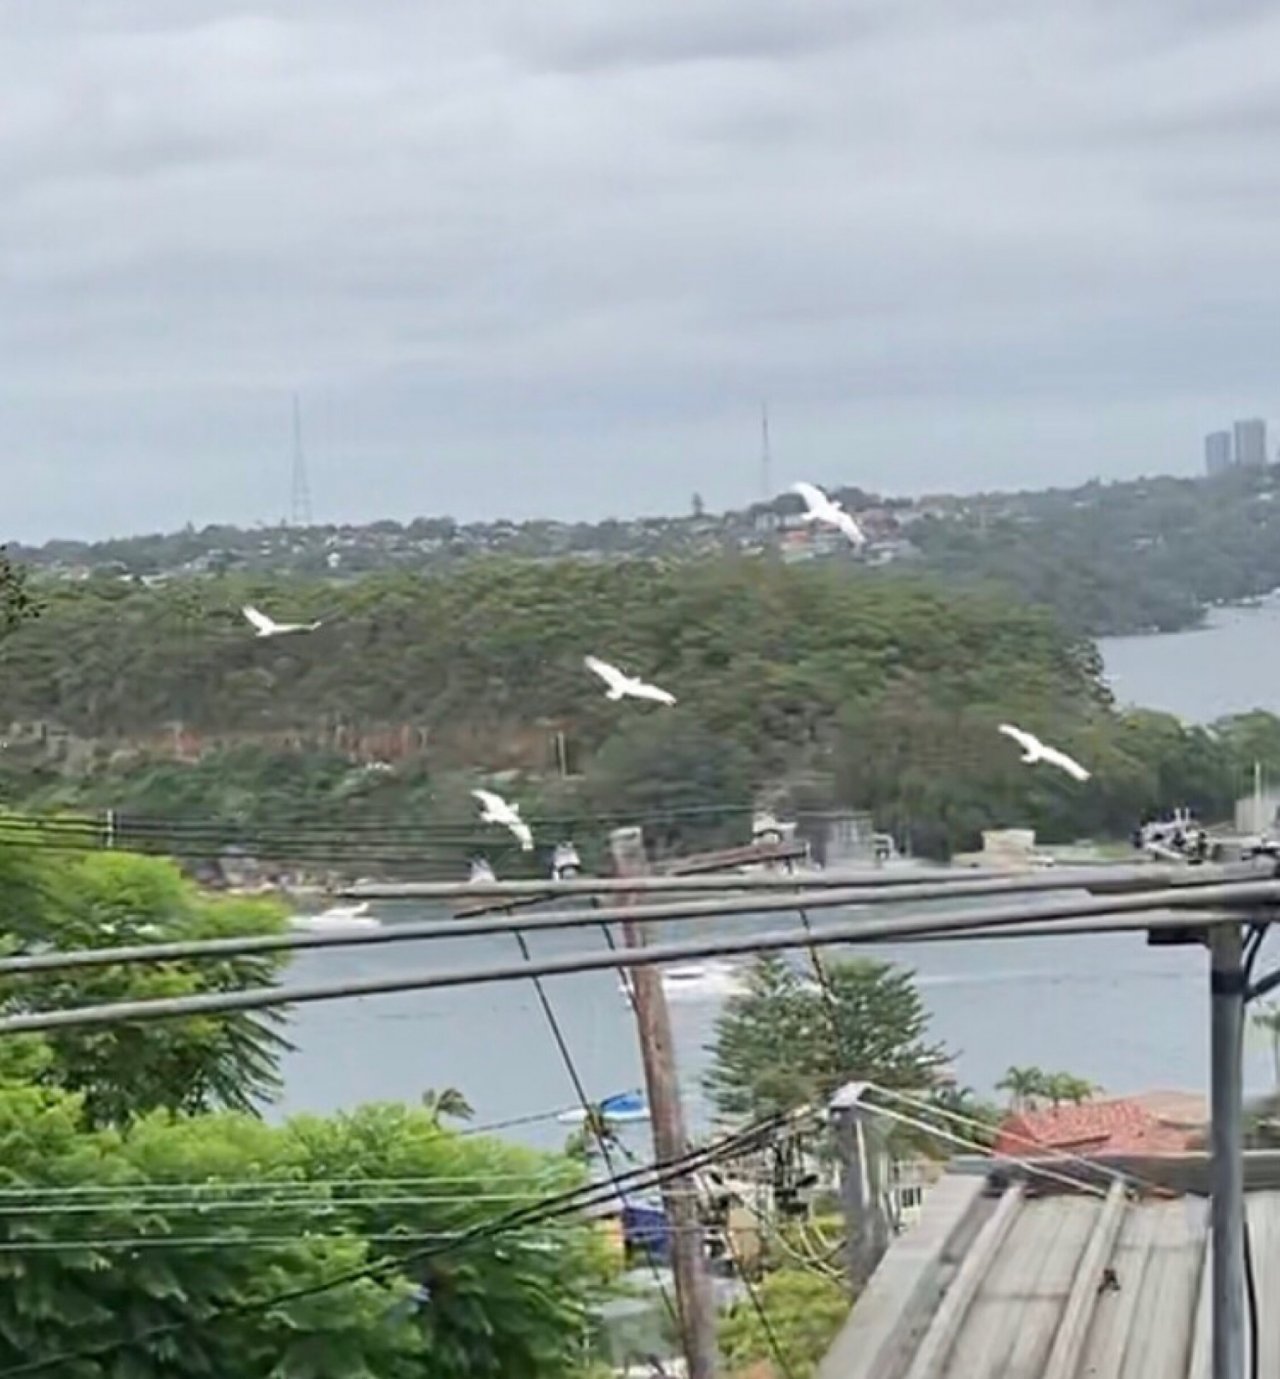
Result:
[573,244]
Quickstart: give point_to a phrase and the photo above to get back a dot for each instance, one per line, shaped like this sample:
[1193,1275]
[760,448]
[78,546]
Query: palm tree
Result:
[1268,1018]
[963,1115]
[1060,1087]
[1022,1084]
[446,1104]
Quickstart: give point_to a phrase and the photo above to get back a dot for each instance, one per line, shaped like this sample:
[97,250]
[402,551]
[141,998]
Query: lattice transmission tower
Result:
[300,507]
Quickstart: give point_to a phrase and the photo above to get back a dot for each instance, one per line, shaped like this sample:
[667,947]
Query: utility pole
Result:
[694,1297]
[1227,981]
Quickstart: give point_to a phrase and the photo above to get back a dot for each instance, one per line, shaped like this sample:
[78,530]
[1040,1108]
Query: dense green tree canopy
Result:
[788,1041]
[766,652]
[17,603]
[133,1209]
[94,900]
[796,684]
[805,1310]
[179,1233]
[1128,556]
[1142,555]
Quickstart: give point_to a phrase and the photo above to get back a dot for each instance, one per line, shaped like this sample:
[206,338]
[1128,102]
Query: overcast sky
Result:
[546,258]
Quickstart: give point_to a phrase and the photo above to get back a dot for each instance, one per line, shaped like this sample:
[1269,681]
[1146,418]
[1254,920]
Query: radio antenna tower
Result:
[301,504]
[766,458]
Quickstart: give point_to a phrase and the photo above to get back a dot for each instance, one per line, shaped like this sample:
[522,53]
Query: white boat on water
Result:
[699,981]
[336,917]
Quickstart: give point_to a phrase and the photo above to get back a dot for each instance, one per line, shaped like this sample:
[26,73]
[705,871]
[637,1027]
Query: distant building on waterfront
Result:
[1251,443]
[1217,452]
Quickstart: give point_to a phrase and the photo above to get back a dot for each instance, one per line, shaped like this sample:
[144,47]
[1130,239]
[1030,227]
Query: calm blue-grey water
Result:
[1107,1008]
[1231,665]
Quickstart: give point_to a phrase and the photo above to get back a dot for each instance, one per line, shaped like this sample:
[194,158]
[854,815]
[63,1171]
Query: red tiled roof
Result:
[1120,1126]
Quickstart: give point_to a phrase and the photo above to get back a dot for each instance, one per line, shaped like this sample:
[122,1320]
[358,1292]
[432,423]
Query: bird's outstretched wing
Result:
[258,619]
[1027,741]
[610,674]
[522,832]
[848,524]
[1053,757]
[644,690]
[814,498]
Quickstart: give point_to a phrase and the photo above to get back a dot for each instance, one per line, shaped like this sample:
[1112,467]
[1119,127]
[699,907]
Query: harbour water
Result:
[1104,1007]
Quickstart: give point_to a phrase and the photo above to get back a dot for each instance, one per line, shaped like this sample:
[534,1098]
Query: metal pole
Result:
[1263,891]
[1227,995]
[1117,876]
[670,1142]
[973,925]
[854,1188]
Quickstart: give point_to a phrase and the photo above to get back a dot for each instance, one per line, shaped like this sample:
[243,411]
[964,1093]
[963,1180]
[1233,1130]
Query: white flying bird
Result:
[496,810]
[624,686]
[1033,750]
[268,627]
[481,871]
[820,508]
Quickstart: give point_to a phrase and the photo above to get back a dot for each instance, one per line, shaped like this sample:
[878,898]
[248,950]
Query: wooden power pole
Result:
[694,1297]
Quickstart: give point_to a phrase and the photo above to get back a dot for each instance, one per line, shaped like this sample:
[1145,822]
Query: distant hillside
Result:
[809,683]
[1107,558]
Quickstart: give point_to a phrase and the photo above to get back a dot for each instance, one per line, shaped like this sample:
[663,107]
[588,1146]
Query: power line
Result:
[962,1118]
[512,1122]
[762,1315]
[187,1204]
[125,824]
[592,1122]
[670,912]
[267,1185]
[231,1242]
[1109,876]
[214,1242]
[1146,910]
[1027,1165]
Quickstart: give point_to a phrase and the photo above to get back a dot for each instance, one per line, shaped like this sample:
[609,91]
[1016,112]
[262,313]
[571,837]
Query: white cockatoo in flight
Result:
[1033,751]
[624,686]
[496,810]
[820,508]
[268,627]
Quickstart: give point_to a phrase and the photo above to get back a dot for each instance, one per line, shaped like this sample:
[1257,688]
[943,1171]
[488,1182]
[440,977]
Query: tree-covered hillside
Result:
[878,693]
[1107,558]
[1124,557]
[482,659]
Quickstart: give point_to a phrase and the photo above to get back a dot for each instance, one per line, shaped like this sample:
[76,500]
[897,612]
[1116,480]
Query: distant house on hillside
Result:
[1153,1123]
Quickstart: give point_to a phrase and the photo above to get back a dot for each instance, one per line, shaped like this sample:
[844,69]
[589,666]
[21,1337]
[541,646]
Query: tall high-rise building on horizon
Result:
[1251,442]
[1217,452]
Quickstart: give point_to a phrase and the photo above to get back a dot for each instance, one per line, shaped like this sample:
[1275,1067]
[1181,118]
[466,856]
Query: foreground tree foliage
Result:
[134,1210]
[56,899]
[805,1311]
[191,1272]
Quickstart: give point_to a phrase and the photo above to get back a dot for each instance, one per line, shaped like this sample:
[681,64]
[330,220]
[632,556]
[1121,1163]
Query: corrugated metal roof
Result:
[1004,1284]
